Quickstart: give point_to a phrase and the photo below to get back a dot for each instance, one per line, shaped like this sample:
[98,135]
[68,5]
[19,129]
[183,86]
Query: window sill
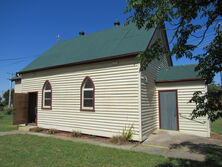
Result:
[90,110]
[47,108]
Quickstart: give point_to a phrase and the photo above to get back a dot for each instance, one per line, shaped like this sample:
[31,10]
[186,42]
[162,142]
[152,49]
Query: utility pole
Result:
[10,90]
[221,78]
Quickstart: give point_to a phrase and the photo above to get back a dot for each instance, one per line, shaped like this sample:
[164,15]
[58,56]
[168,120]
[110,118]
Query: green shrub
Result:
[7,110]
[128,133]
[76,134]
[125,137]
[37,129]
[52,131]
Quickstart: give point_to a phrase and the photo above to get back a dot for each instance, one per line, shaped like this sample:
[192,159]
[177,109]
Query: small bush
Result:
[76,134]
[7,110]
[128,133]
[37,129]
[118,139]
[125,137]
[52,131]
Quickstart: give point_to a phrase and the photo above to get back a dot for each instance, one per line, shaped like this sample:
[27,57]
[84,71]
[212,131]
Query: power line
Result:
[13,59]
[19,58]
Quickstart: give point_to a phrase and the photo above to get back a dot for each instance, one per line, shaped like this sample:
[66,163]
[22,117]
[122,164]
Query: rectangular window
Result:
[47,102]
[88,94]
[88,103]
[48,95]
[88,98]
[47,98]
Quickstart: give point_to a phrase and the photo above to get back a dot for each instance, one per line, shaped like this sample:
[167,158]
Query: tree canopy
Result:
[188,19]
[5,99]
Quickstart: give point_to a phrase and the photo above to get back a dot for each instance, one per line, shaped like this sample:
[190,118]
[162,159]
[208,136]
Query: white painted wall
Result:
[185,90]
[123,96]
[148,92]
[116,97]
[18,86]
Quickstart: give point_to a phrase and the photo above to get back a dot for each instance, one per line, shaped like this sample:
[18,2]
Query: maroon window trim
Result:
[81,95]
[169,90]
[43,107]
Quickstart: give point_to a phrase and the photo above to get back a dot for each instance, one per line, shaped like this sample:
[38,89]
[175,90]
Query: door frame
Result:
[36,105]
[177,111]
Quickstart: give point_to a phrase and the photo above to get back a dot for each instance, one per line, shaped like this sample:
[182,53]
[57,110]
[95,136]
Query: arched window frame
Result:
[82,89]
[43,96]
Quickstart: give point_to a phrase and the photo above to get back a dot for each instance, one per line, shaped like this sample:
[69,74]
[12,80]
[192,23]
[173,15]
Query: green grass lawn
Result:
[217,126]
[35,151]
[6,123]
[32,151]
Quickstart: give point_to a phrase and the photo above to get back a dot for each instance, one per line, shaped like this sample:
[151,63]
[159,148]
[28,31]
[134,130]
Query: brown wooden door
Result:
[20,114]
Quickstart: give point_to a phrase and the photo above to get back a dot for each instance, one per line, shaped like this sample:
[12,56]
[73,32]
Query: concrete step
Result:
[25,128]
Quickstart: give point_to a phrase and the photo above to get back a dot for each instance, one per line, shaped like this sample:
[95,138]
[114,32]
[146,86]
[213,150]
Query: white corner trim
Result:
[139,103]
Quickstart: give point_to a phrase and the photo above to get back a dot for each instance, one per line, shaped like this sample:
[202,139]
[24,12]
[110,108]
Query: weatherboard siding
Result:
[149,114]
[116,97]
[18,86]
[185,90]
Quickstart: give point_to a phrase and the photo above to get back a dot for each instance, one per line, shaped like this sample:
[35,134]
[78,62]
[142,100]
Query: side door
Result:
[20,113]
[168,110]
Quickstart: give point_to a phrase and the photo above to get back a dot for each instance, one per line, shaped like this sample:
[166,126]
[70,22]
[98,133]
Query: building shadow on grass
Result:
[213,156]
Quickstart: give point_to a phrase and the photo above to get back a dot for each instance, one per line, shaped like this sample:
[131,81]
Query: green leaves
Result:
[211,61]
[188,19]
[154,52]
[208,104]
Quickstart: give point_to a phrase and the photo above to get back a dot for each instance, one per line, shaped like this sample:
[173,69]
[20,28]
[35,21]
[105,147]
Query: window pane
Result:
[47,103]
[47,86]
[88,94]
[47,94]
[88,84]
[88,103]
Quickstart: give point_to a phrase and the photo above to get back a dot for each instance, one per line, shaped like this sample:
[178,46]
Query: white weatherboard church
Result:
[93,84]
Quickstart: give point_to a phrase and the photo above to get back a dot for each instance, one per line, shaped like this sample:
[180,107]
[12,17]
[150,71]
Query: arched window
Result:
[47,95]
[87,100]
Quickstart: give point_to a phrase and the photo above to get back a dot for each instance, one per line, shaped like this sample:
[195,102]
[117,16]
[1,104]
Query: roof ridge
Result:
[92,33]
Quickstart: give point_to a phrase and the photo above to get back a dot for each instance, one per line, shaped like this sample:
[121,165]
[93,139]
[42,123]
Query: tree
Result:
[214,87]
[188,19]
[5,96]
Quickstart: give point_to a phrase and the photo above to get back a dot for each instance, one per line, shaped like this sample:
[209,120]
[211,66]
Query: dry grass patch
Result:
[76,134]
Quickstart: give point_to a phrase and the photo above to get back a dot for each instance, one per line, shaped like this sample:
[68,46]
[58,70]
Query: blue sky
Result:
[29,27]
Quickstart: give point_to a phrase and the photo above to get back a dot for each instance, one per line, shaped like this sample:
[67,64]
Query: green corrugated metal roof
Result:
[177,73]
[110,42]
